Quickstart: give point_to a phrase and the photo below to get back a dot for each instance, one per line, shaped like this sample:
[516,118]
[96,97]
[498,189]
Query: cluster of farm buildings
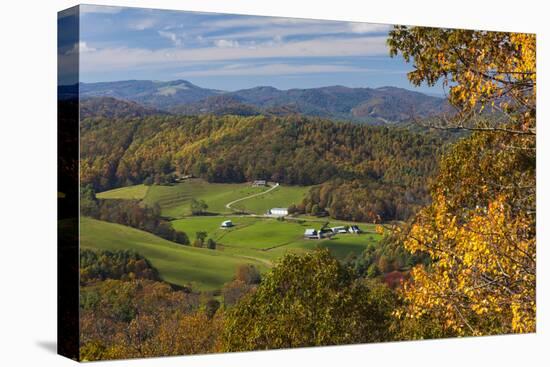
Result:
[313,234]
[309,233]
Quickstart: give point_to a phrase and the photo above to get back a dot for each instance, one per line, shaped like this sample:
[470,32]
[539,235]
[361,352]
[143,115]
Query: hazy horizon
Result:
[430,92]
[232,52]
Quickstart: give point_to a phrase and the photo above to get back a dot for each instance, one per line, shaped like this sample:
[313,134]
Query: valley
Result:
[253,238]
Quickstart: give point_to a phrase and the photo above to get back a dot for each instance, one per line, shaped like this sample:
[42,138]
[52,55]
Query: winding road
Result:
[228,205]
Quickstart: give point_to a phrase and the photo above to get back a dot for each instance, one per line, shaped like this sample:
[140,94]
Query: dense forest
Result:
[126,313]
[387,167]
[373,106]
[108,107]
[121,265]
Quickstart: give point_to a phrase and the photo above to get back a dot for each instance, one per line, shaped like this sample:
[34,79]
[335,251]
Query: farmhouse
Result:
[311,234]
[354,229]
[278,212]
[259,183]
[183,178]
[339,229]
[227,224]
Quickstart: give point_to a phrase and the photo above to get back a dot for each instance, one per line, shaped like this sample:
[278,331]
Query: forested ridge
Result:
[376,106]
[387,164]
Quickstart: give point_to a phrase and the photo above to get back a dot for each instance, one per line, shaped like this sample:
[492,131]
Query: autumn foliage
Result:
[309,300]
[479,231]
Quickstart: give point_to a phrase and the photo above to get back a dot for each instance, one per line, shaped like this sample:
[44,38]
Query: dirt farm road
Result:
[228,205]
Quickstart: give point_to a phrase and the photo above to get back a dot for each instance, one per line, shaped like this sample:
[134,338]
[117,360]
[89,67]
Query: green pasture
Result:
[253,239]
[136,192]
[281,197]
[269,238]
[202,268]
[175,200]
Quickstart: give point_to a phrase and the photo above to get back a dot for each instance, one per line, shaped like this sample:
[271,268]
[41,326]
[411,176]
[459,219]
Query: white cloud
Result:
[269,27]
[258,21]
[172,37]
[272,69]
[123,57]
[88,9]
[226,43]
[80,47]
[142,24]
[368,28]
[83,46]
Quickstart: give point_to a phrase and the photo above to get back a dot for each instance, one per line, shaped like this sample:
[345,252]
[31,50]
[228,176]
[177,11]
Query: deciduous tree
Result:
[309,300]
[479,231]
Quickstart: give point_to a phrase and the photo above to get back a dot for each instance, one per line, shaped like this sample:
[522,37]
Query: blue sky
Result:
[231,52]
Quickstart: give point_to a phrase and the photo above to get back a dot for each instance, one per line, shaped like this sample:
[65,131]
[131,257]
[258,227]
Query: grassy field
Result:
[253,239]
[182,265]
[281,197]
[248,232]
[175,200]
[268,238]
[211,225]
[136,192]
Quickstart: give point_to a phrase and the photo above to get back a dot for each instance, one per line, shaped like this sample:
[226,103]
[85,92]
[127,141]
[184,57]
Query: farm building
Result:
[311,234]
[339,229]
[278,212]
[227,224]
[259,183]
[183,178]
[354,229]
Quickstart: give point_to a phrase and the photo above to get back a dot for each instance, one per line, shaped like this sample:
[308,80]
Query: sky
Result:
[231,52]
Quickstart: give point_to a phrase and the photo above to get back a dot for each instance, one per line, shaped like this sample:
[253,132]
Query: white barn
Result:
[311,233]
[339,229]
[278,212]
[259,183]
[227,224]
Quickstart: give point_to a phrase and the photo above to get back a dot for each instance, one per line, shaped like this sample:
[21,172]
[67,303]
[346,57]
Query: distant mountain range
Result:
[109,107]
[386,105]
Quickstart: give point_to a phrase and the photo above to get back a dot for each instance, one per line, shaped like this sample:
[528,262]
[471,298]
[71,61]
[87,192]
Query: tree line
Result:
[123,265]
[129,213]
[363,201]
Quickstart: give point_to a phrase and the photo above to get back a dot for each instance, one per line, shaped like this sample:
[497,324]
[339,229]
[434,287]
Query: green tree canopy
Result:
[309,300]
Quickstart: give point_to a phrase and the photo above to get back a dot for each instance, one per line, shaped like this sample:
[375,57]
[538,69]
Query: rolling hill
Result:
[256,241]
[175,200]
[293,151]
[181,265]
[109,107]
[385,105]
[157,94]
[375,106]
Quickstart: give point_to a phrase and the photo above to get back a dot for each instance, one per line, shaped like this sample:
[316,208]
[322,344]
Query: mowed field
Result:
[202,269]
[280,197]
[175,200]
[268,238]
[136,192]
